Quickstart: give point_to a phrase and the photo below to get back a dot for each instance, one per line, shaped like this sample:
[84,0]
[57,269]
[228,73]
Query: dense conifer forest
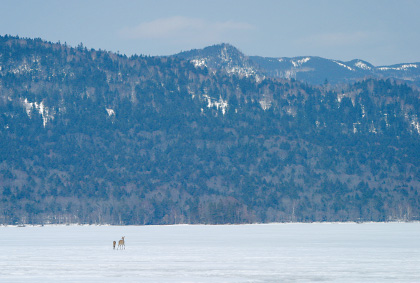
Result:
[90,136]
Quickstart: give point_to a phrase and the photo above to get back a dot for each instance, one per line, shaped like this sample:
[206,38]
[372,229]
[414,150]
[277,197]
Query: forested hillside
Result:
[89,136]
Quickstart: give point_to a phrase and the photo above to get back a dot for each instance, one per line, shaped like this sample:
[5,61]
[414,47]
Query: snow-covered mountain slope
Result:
[317,70]
[310,69]
[222,57]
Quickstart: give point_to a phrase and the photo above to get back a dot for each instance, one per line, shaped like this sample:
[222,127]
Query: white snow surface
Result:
[265,103]
[402,67]
[362,65]
[222,104]
[344,66]
[44,111]
[199,62]
[346,252]
[110,112]
[300,62]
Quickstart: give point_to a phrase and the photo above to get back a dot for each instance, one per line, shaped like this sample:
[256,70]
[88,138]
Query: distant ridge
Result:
[310,69]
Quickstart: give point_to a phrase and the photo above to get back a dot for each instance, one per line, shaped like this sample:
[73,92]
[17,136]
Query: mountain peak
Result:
[223,56]
[210,50]
[360,64]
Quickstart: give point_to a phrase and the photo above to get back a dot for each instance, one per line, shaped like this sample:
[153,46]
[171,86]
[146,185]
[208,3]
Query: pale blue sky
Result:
[382,32]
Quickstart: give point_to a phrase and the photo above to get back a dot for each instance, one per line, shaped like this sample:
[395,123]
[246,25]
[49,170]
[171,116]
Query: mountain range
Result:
[310,69]
[90,136]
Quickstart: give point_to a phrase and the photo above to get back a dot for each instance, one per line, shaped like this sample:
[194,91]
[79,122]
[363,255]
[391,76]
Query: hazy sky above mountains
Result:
[382,32]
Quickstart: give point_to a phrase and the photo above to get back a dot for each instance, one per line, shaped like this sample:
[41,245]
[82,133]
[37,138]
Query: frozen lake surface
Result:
[371,252]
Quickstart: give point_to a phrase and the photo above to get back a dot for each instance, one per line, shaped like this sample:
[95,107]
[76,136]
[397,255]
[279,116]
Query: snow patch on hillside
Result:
[199,62]
[265,103]
[219,104]
[241,71]
[45,112]
[300,62]
[401,68]
[344,66]
[362,65]
[413,121]
[110,112]
[372,128]
[355,125]
[21,69]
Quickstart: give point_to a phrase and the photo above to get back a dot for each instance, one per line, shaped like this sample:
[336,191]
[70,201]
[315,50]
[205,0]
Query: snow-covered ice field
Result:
[370,252]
